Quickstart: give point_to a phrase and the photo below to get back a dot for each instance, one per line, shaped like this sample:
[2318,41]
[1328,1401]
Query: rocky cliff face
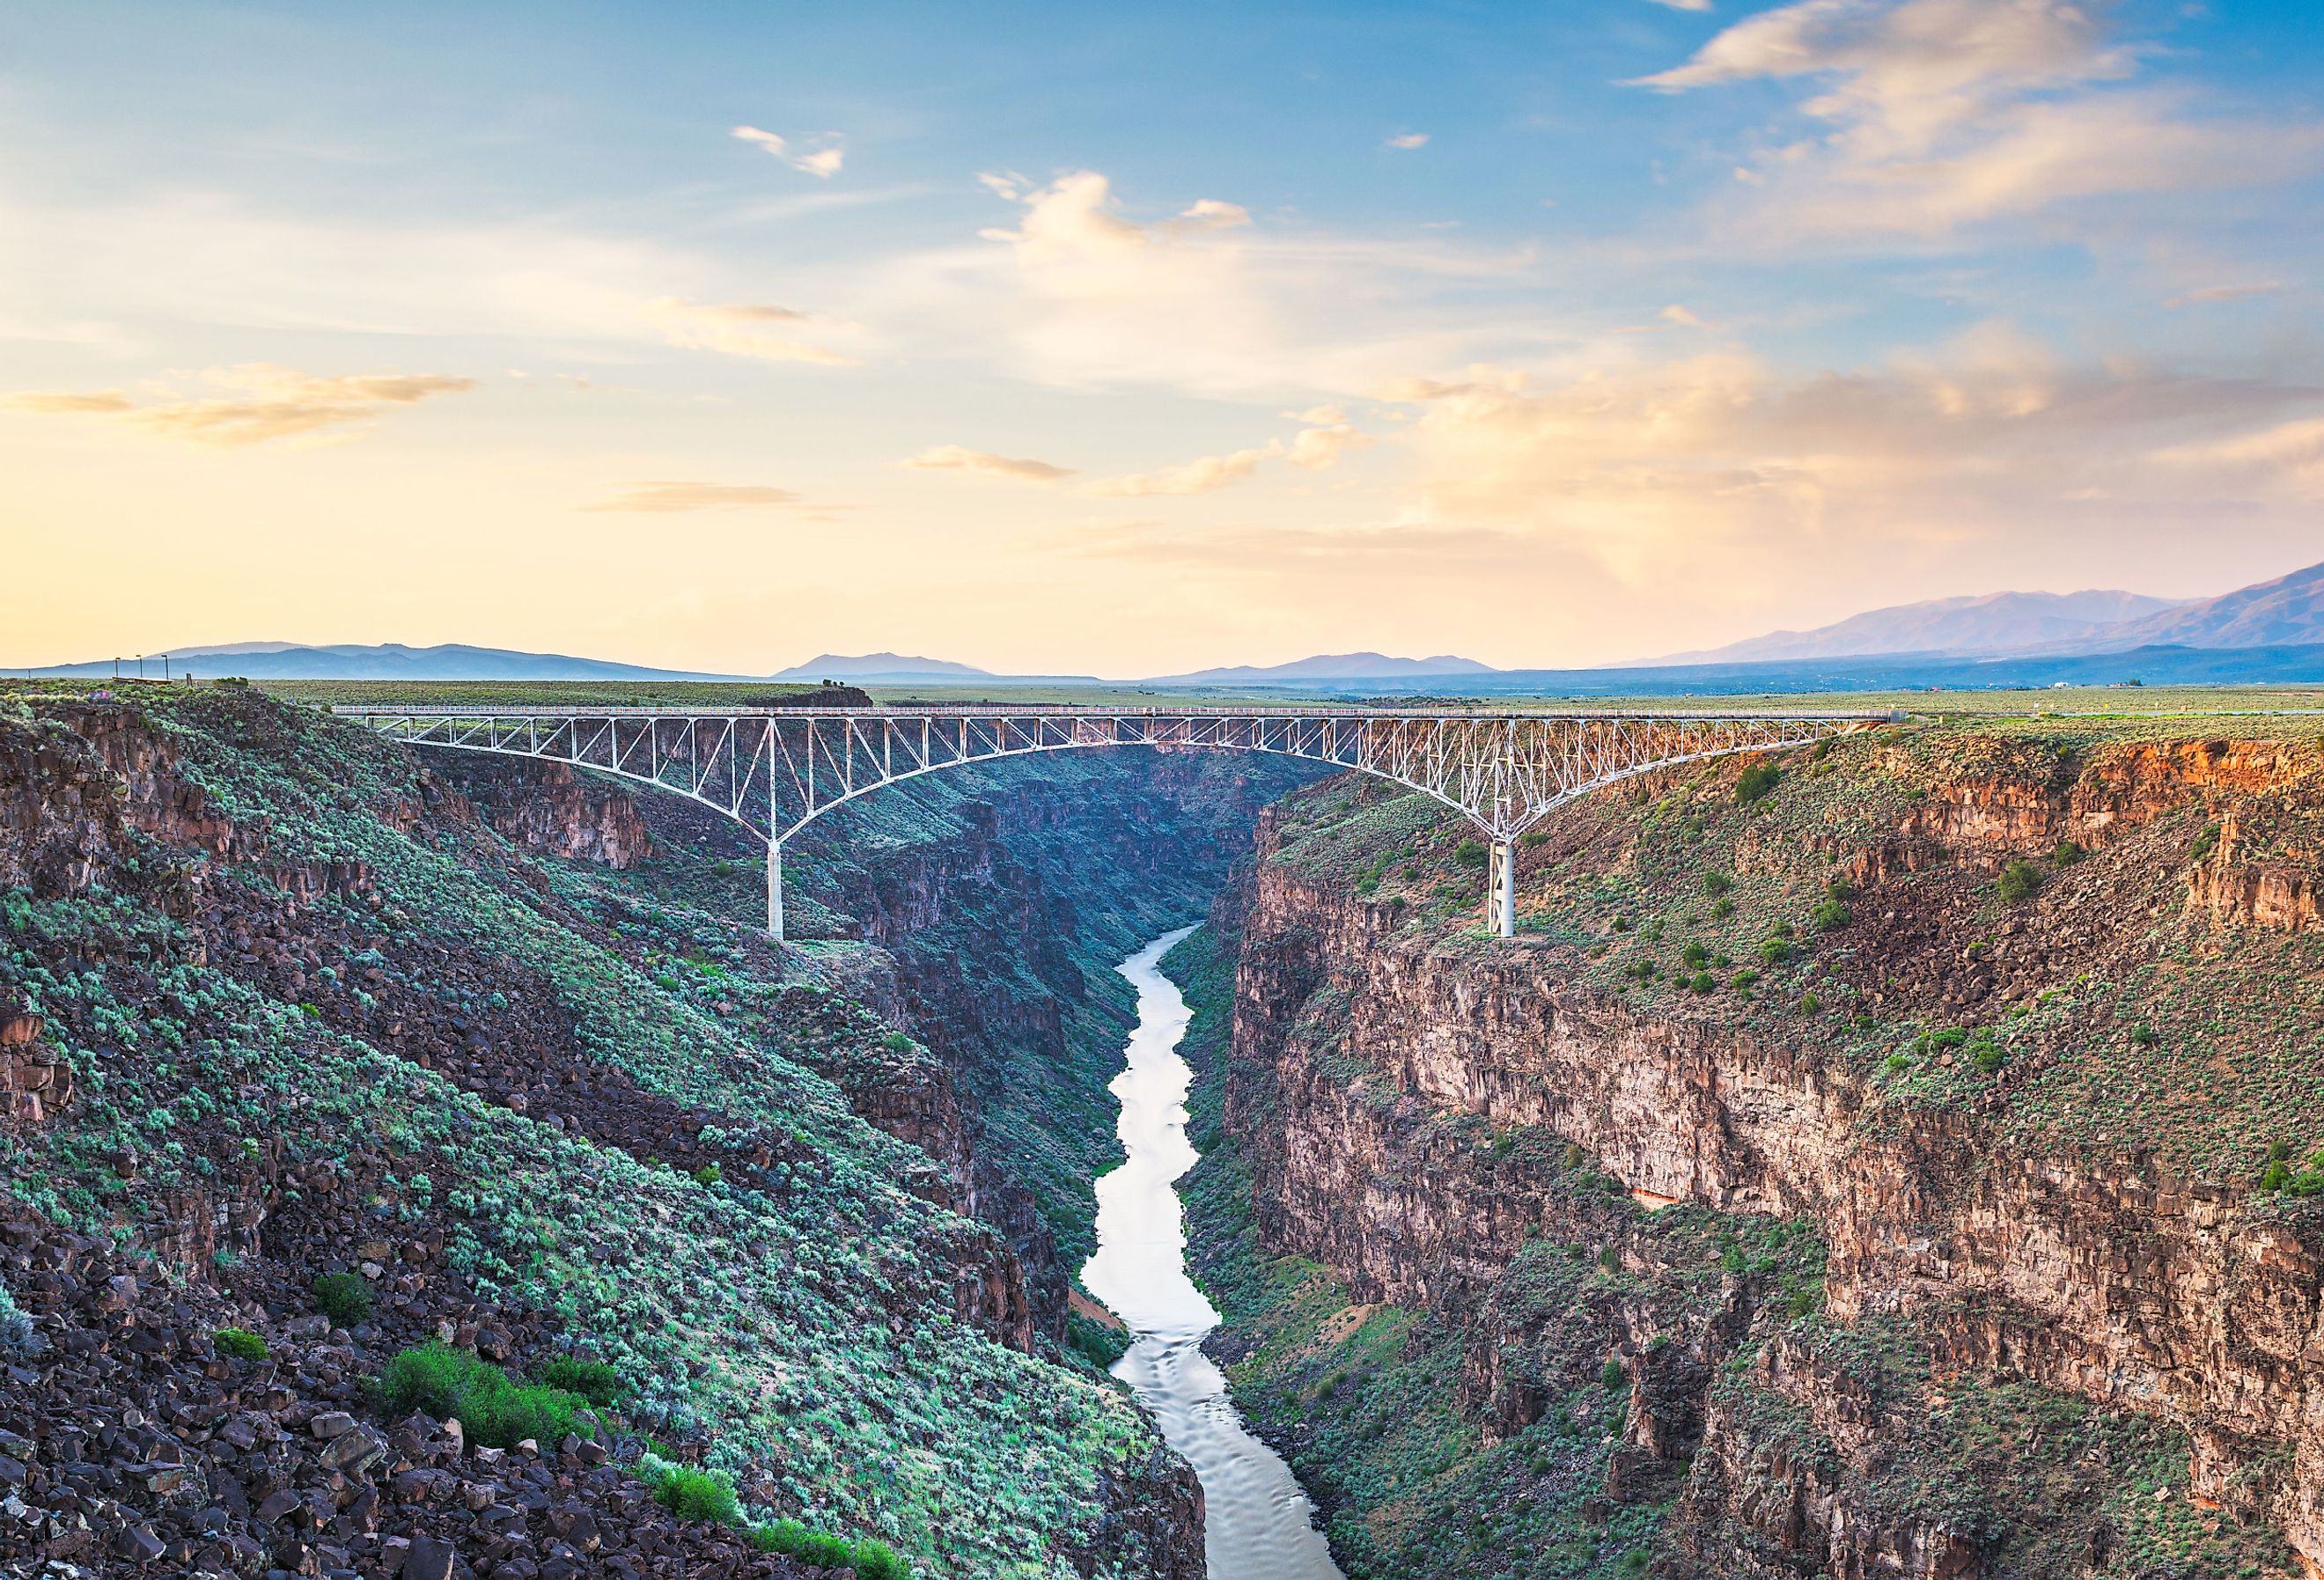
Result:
[2033,1194]
[317,1017]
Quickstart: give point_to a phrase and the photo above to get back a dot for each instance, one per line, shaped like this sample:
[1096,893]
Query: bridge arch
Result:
[774,771]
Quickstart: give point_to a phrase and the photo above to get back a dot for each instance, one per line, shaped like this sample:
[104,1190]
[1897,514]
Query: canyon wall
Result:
[1380,1067]
[280,1002]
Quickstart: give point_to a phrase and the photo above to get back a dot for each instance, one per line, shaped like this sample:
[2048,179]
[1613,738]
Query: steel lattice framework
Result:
[775,770]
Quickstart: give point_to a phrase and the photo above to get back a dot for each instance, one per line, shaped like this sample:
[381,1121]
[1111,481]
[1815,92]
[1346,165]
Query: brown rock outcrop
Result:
[2100,1274]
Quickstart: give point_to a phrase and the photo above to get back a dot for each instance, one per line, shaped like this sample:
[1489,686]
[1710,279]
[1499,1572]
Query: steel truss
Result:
[775,770]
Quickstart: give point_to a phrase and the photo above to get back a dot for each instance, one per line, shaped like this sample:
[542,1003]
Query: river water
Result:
[1260,1525]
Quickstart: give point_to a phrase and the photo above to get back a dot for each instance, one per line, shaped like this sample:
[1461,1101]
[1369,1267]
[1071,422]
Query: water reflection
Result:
[1260,1524]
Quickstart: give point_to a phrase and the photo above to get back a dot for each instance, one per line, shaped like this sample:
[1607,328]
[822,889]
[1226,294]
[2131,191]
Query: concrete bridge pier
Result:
[1501,888]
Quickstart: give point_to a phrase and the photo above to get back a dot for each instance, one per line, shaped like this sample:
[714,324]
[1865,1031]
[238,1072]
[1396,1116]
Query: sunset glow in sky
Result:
[1124,340]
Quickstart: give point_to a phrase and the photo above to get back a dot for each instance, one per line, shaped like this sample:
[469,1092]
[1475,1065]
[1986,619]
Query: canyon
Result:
[1905,1164]
[1574,1159]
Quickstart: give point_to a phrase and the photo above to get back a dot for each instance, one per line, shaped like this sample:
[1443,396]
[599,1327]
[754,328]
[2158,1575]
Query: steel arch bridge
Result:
[774,771]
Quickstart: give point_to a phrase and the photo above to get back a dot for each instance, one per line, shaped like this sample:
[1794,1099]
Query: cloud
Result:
[1720,471]
[1210,214]
[2289,453]
[2210,293]
[822,156]
[1328,436]
[674,498]
[1202,476]
[1684,317]
[954,458]
[739,330]
[1936,114]
[1408,139]
[1203,296]
[263,403]
[1685,4]
[95,401]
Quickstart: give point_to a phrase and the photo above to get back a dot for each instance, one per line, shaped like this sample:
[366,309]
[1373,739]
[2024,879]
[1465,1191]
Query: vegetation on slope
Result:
[791,1312]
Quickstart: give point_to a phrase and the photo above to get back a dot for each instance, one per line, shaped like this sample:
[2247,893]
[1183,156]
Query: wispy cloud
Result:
[1944,114]
[2290,455]
[260,403]
[677,498]
[821,156]
[954,458]
[1201,475]
[2210,293]
[1328,436]
[1408,139]
[60,401]
[770,334]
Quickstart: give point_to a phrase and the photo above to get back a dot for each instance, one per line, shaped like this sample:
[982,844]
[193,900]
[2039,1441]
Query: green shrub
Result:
[708,1174]
[344,1298]
[1756,782]
[1774,951]
[2019,882]
[1896,1064]
[496,1410]
[1715,885]
[1095,1342]
[2275,1176]
[594,1381]
[876,1560]
[2143,1036]
[1533,838]
[1829,916]
[2067,854]
[2205,843]
[1703,981]
[1988,1056]
[1744,981]
[1810,1005]
[2278,1151]
[1469,853]
[1694,957]
[2307,1182]
[1722,907]
[239,1343]
[1613,1377]
[698,1494]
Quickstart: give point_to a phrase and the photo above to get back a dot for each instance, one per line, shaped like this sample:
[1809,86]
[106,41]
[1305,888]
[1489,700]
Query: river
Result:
[1259,1524]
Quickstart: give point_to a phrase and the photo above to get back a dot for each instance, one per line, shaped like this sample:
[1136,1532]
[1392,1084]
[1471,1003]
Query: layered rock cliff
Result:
[2010,1024]
[321,1021]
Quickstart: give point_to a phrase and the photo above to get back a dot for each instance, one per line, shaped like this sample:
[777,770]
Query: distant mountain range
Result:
[880,667]
[289,660]
[1994,623]
[2272,632]
[2287,612]
[1365,665]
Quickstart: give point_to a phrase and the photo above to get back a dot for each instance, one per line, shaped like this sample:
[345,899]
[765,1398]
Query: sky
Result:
[1127,341]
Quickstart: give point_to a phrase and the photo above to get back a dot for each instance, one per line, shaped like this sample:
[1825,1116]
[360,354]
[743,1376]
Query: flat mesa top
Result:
[1044,710]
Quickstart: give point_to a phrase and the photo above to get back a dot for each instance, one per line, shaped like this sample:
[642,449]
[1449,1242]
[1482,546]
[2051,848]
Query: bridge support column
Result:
[1501,888]
[775,890]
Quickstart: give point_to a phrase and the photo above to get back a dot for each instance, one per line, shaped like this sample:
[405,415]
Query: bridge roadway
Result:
[775,770]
